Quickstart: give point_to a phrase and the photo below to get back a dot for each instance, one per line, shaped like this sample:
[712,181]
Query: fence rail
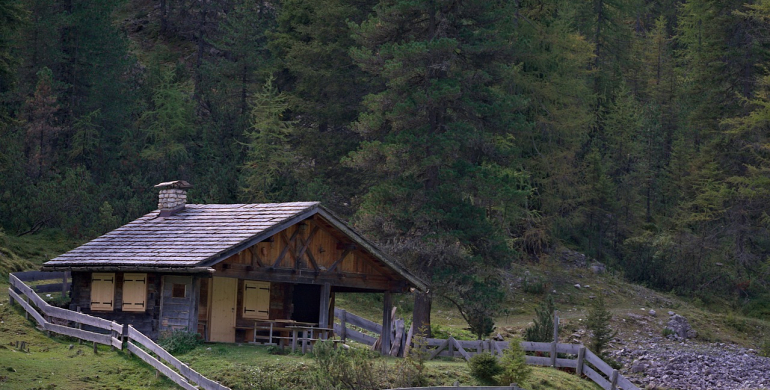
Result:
[136,342]
[575,356]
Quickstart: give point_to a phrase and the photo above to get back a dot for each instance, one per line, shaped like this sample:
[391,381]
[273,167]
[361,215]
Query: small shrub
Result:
[484,367]
[599,325]
[667,332]
[533,285]
[179,341]
[764,348]
[514,364]
[275,350]
[542,329]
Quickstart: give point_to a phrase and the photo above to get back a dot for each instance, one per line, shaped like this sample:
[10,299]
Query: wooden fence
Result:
[574,356]
[67,322]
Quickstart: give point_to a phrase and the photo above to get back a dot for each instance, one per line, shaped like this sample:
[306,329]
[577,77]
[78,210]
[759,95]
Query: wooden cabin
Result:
[221,269]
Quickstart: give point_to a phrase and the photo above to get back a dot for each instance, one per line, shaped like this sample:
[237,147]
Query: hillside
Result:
[241,366]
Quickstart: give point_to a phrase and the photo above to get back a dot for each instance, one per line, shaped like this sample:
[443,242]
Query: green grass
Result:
[61,363]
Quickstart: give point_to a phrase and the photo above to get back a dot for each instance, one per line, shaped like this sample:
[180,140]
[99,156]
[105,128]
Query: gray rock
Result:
[577,286]
[598,268]
[652,313]
[681,327]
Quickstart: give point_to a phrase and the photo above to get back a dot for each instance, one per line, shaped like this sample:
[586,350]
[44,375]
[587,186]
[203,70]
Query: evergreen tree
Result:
[432,132]
[598,323]
[268,171]
[542,328]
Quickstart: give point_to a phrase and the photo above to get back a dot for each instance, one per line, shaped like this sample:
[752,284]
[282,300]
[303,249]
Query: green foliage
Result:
[534,285]
[542,328]
[598,323]
[764,348]
[485,367]
[179,341]
[514,365]
[267,173]
[338,368]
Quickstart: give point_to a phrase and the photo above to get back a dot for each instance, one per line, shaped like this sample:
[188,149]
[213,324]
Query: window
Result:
[178,290]
[102,291]
[256,299]
[134,292]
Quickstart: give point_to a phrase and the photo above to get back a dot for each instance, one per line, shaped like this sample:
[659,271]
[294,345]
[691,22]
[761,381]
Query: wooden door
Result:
[222,310]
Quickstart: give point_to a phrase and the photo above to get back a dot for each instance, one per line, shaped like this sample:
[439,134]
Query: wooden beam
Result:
[323,316]
[285,248]
[386,323]
[305,245]
[338,261]
[255,260]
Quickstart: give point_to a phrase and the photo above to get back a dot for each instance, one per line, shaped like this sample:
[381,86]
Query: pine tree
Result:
[268,171]
[542,328]
[598,324]
[432,132]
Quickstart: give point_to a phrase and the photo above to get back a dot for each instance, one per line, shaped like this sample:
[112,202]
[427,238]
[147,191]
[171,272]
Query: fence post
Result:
[26,313]
[344,323]
[614,380]
[555,337]
[450,344]
[580,359]
[80,326]
[555,326]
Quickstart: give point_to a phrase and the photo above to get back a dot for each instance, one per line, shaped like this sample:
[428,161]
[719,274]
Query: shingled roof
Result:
[199,236]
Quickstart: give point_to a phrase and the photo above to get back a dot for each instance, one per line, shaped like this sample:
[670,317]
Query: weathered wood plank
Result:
[531,346]
[28,308]
[539,360]
[462,351]
[48,288]
[33,276]
[188,372]
[363,323]
[357,336]
[625,384]
[571,363]
[572,349]
[603,367]
[81,334]
[171,374]
[438,350]
[596,377]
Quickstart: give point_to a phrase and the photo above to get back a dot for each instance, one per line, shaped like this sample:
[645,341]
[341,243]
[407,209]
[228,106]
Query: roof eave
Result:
[371,248]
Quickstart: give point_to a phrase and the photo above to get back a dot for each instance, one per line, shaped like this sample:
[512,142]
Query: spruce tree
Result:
[434,134]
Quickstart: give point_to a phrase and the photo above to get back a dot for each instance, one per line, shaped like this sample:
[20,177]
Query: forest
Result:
[461,135]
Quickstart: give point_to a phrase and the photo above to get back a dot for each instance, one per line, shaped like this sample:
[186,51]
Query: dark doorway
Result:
[307,303]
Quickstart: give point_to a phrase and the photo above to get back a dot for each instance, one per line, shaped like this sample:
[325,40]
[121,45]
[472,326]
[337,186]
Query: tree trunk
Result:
[421,313]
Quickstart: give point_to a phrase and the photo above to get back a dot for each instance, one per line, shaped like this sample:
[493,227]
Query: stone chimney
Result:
[172,197]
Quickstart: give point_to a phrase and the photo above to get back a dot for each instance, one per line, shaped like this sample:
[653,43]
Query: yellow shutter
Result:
[102,291]
[134,292]
[256,299]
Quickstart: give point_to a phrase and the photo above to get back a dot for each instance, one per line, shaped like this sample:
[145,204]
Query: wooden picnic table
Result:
[278,329]
[308,335]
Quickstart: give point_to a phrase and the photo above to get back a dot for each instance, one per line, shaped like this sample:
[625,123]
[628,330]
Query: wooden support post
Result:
[614,380]
[580,361]
[26,313]
[450,345]
[555,337]
[79,326]
[293,340]
[553,354]
[344,324]
[386,323]
[95,347]
[64,284]
[555,326]
[323,316]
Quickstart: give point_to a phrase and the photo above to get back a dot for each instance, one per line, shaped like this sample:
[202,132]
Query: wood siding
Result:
[146,321]
[312,252]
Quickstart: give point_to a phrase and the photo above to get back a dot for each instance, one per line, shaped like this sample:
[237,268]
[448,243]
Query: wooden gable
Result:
[313,251]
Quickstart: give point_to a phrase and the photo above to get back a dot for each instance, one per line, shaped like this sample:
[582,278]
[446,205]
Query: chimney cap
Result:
[174,184]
